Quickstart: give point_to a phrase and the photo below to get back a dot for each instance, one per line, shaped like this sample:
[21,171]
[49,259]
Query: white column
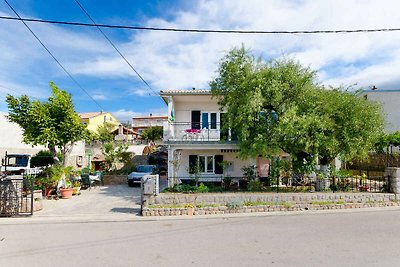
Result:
[170,166]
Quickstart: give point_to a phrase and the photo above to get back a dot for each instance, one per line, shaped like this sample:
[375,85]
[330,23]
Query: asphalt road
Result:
[356,238]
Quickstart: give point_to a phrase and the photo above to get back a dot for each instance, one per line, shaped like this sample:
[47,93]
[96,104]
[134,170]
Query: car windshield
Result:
[144,168]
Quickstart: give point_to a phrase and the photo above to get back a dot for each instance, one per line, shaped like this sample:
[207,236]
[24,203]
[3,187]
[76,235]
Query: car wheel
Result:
[130,183]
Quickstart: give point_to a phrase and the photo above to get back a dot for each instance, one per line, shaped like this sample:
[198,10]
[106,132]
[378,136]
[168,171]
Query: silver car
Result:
[140,171]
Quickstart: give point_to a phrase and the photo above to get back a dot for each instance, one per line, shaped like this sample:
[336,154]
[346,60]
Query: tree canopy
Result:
[153,133]
[53,123]
[279,106]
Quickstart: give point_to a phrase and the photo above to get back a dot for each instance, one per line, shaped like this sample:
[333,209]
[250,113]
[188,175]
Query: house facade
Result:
[93,120]
[390,100]
[198,147]
[140,123]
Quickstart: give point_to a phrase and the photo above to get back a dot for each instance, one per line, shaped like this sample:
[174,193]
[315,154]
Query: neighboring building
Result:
[195,140]
[390,100]
[143,122]
[11,141]
[93,120]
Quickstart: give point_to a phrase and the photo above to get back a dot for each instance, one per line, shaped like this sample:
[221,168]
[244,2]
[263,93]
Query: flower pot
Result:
[76,190]
[66,192]
[48,190]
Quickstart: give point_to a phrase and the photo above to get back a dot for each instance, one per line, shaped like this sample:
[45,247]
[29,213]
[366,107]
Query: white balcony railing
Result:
[187,131]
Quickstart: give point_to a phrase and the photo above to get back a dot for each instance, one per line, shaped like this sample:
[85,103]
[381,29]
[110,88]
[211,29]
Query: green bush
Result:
[254,185]
[202,188]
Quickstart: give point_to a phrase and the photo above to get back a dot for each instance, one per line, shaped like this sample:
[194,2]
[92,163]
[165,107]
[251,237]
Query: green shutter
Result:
[192,163]
[218,164]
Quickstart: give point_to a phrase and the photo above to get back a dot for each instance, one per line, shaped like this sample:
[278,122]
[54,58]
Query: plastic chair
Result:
[85,181]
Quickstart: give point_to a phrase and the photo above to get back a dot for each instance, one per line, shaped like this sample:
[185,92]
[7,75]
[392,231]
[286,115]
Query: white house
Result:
[196,144]
[390,100]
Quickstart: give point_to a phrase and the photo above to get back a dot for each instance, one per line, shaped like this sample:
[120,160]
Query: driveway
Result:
[119,201]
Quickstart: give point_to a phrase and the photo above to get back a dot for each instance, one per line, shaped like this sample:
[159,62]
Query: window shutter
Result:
[218,164]
[192,163]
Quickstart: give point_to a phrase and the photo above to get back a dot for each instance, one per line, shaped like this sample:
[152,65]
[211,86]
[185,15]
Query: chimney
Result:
[151,114]
[120,129]
[194,88]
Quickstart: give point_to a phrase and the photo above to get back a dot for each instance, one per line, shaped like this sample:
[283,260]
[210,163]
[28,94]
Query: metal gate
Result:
[16,196]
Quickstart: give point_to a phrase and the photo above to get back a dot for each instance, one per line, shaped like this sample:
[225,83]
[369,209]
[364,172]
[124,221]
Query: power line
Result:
[18,92]
[116,49]
[201,30]
[51,54]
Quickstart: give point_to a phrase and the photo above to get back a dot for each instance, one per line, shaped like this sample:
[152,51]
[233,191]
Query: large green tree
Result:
[278,106]
[53,123]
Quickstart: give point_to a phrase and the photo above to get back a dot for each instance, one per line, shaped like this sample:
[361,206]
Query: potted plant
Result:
[77,187]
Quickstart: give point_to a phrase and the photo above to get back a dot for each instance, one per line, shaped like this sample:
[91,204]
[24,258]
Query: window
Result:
[209,120]
[206,164]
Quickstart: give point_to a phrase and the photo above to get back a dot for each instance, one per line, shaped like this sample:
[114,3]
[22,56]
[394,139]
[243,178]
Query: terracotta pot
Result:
[48,190]
[66,192]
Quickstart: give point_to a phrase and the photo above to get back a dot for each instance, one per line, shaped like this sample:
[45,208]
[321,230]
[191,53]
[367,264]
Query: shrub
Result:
[234,204]
[254,185]
[202,188]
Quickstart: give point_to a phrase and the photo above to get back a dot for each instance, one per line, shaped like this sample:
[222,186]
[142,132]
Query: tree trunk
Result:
[54,154]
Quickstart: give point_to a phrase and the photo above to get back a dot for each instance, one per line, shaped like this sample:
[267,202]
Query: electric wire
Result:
[16,91]
[116,49]
[201,30]
[51,54]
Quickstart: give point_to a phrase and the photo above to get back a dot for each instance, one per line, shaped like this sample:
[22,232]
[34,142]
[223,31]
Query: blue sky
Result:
[184,60]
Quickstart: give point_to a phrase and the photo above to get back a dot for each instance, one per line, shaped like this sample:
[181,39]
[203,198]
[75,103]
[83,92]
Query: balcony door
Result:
[196,119]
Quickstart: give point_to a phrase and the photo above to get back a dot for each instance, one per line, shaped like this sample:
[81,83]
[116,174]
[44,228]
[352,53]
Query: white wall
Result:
[11,139]
[390,100]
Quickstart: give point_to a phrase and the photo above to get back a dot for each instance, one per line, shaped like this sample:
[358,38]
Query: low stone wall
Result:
[261,208]
[115,179]
[223,198]
[167,204]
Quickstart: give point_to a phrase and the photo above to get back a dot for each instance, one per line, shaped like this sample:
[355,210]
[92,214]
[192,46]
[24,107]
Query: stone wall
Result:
[170,204]
[115,179]
[223,198]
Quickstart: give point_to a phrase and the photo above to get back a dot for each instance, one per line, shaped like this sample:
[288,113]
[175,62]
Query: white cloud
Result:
[99,97]
[184,60]
[170,60]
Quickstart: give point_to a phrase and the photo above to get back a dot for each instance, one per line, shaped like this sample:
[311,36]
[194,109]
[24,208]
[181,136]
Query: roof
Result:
[186,92]
[89,115]
[150,117]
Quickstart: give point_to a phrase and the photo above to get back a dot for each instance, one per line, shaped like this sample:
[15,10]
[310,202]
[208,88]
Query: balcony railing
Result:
[196,132]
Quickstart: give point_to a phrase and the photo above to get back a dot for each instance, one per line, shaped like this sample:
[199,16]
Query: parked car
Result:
[140,171]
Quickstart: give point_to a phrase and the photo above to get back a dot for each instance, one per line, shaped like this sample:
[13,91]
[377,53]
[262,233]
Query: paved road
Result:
[356,238]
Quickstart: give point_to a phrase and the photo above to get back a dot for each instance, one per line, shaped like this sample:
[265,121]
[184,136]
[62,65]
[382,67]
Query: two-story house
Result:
[198,147]
[93,120]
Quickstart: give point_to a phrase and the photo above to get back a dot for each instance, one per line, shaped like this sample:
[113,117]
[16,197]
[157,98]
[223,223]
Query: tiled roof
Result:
[89,115]
[185,92]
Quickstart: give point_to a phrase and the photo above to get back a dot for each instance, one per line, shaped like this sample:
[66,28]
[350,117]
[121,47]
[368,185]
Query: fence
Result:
[16,195]
[356,183]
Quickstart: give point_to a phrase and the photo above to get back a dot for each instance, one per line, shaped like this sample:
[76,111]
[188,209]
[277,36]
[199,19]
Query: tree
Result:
[114,154]
[104,134]
[43,158]
[278,106]
[153,133]
[53,123]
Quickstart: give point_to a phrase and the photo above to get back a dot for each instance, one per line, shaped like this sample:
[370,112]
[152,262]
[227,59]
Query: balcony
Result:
[196,132]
